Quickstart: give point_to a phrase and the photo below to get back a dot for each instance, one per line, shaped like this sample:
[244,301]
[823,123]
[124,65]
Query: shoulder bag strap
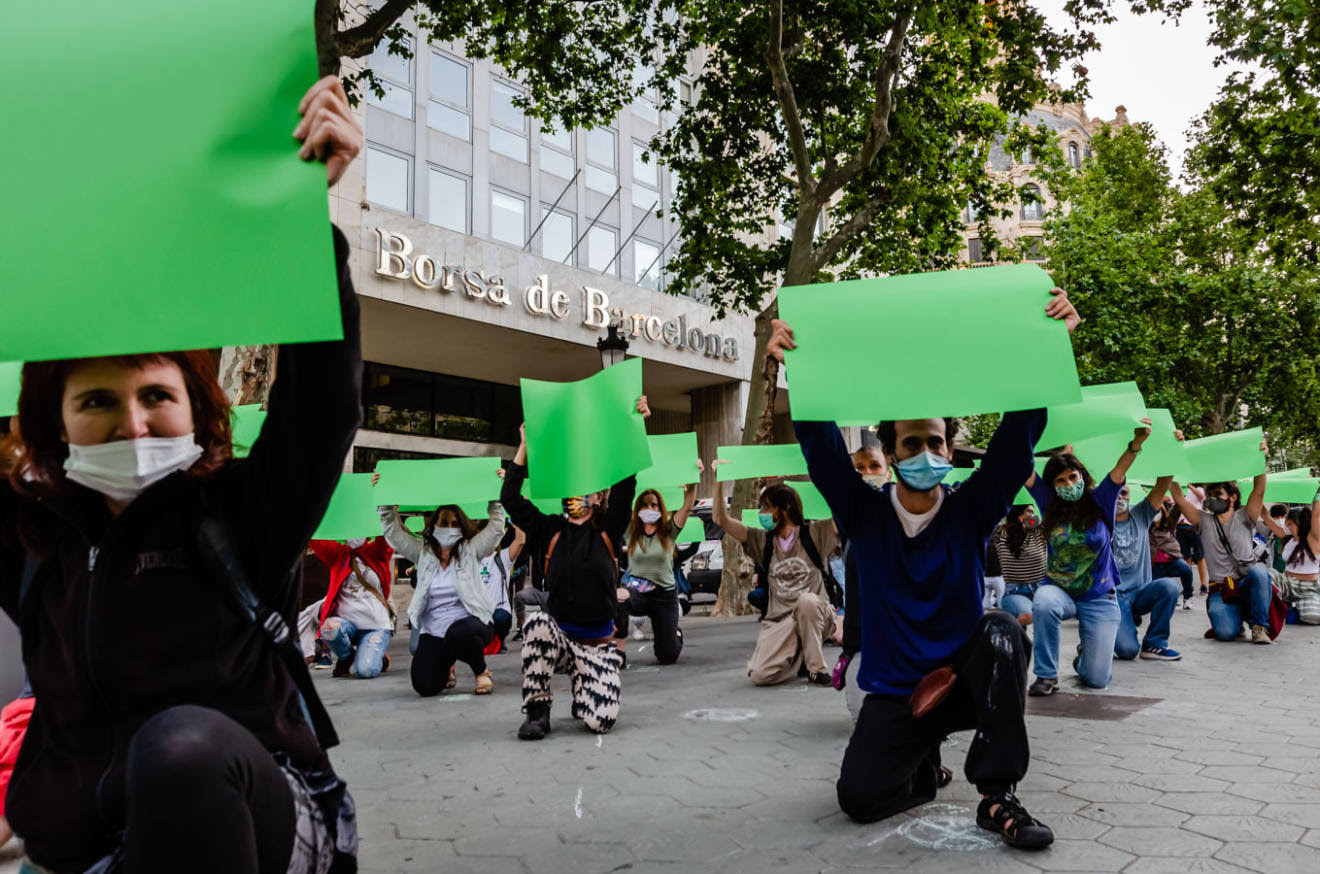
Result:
[379,596]
[832,587]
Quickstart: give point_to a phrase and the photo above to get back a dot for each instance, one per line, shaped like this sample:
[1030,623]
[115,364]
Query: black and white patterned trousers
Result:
[594,670]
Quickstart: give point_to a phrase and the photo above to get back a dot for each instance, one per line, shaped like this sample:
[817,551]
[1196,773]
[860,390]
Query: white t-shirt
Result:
[443,606]
[1304,565]
[357,605]
[495,580]
[914,523]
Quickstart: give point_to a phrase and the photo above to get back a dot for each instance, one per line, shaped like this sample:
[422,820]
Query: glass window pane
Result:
[556,162]
[502,110]
[449,79]
[645,170]
[645,108]
[646,266]
[557,237]
[645,198]
[600,180]
[601,243]
[396,100]
[447,120]
[507,143]
[562,139]
[600,147]
[448,202]
[388,66]
[396,399]
[508,218]
[387,180]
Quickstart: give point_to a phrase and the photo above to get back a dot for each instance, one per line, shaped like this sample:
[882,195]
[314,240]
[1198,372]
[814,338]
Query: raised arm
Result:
[1256,501]
[1118,475]
[519,541]
[1313,536]
[1186,507]
[720,513]
[1275,528]
[990,491]
[1156,496]
[404,542]
[487,540]
[521,511]
[680,516]
[330,552]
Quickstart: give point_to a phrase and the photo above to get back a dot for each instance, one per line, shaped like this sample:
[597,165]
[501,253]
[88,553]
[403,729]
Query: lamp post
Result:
[612,347]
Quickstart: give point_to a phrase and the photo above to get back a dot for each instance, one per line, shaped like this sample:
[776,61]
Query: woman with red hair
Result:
[169,734]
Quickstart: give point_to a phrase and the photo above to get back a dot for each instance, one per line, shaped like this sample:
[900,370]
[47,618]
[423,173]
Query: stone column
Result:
[717,417]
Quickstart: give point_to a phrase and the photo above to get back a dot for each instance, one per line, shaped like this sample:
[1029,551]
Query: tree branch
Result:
[877,127]
[797,139]
[362,38]
[860,221]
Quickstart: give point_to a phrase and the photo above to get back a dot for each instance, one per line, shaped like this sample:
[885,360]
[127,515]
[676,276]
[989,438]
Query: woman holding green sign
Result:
[151,574]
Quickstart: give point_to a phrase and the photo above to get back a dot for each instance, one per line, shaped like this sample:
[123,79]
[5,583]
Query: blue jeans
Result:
[342,636]
[1252,604]
[1158,598]
[1098,622]
[1177,568]
[1017,598]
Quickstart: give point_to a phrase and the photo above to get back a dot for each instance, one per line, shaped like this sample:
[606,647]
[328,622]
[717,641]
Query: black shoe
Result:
[1043,686]
[819,679]
[623,660]
[1077,658]
[1013,823]
[537,724]
[343,668]
[517,635]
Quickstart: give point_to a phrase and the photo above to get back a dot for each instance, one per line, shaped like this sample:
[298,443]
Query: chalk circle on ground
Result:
[644,669]
[948,827]
[722,714]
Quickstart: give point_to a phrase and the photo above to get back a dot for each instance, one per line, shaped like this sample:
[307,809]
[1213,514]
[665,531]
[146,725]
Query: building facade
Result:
[1074,129]
[487,248]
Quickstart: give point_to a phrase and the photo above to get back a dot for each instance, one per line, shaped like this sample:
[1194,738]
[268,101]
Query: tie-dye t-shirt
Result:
[1082,562]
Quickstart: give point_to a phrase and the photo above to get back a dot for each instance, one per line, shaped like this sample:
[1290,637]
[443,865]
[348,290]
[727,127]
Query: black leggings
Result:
[660,605]
[463,642]
[203,794]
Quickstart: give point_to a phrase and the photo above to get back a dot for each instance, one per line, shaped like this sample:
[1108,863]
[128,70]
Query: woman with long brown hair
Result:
[649,588]
[145,566]
[450,609]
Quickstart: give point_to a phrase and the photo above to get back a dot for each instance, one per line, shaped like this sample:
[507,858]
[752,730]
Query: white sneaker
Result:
[1187,603]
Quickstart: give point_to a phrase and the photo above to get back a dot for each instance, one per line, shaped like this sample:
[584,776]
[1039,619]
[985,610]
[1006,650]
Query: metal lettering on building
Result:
[395,261]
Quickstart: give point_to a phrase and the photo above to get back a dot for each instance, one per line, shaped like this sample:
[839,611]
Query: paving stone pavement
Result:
[1210,765]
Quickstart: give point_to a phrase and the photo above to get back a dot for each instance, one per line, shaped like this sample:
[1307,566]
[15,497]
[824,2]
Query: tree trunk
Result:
[327,36]
[735,582]
[246,373]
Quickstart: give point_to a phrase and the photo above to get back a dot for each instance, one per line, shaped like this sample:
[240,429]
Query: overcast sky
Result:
[1162,73]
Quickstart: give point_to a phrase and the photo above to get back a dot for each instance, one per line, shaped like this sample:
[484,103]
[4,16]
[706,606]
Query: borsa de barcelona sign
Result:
[395,260]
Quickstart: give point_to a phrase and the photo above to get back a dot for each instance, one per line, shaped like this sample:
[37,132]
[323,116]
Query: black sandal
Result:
[946,777]
[1011,820]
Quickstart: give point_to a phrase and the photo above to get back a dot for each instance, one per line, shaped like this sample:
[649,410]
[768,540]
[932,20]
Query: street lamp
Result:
[612,347]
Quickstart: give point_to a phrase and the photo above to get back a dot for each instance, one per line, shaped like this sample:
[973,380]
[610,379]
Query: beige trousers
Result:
[785,643]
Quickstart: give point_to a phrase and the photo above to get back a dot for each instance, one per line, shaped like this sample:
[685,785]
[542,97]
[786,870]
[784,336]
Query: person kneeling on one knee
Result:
[356,617]
[1138,593]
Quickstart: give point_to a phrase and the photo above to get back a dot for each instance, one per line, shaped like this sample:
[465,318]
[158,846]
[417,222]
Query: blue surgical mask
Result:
[923,472]
[767,520]
[1071,492]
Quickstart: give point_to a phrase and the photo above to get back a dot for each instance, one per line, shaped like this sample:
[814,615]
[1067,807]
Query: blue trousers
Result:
[1252,604]
[1017,598]
[342,636]
[1177,568]
[1157,598]
[1098,621]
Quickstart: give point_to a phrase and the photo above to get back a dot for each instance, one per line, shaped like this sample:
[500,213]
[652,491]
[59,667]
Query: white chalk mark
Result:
[948,827]
[720,714]
[577,804]
[600,741]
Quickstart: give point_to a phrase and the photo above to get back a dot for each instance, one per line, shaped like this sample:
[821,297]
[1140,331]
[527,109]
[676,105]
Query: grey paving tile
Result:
[1243,828]
[1272,858]
[1095,792]
[1305,815]
[1133,814]
[1159,841]
[1162,865]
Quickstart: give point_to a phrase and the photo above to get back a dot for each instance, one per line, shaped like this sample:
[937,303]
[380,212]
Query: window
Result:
[646,179]
[448,110]
[646,264]
[387,179]
[447,204]
[557,153]
[395,76]
[644,105]
[406,401]
[685,93]
[1074,155]
[601,245]
[508,125]
[557,237]
[974,253]
[1027,157]
[1088,151]
[645,108]
[601,160]
[508,218]
[1032,210]
[973,215]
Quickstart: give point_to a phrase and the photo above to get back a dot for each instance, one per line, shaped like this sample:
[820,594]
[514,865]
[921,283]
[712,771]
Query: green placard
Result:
[1225,457]
[673,460]
[352,510]
[694,531]
[11,378]
[1288,490]
[246,422]
[1294,473]
[415,524]
[587,435]
[1104,409]
[1161,455]
[813,502]
[751,518]
[169,209]
[955,322]
[672,496]
[755,461]
[430,482]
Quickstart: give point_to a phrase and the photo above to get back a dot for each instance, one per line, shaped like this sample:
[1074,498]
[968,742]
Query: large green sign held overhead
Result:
[587,435]
[11,376]
[429,483]
[939,337]
[1111,408]
[157,200]
[760,460]
[352,510]
[1225,457]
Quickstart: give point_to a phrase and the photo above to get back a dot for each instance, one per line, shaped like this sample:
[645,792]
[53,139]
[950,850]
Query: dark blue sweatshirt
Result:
[920,596]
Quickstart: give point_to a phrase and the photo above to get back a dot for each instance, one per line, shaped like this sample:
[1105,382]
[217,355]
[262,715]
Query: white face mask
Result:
[875,480]
[357,542]
[650,517]
[123,468]
[446,536]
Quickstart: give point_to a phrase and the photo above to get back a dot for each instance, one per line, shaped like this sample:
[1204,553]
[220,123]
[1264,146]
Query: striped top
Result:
[1027,567]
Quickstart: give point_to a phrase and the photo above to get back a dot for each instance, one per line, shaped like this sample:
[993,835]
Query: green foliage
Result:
[1176,296]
